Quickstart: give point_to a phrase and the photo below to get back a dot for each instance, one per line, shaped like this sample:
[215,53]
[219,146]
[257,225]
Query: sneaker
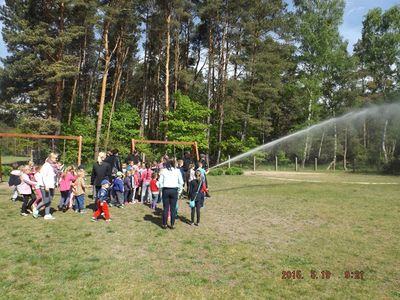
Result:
[24,214]
[122,206]
[83,211]
[196,224]
[35,213]
[93,219]
[49,217]
[108,220]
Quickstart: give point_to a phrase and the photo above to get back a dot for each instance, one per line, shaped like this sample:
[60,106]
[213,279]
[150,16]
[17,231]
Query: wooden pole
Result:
[295,164]
[229,161]
[315,164]
[254,163]
[276,163]
[197,151]
[133,145]
[79,150]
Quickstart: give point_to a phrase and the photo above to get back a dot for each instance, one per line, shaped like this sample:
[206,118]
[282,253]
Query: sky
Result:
[350,29]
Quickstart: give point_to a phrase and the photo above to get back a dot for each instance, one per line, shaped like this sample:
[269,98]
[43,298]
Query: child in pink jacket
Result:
[25,189]
[66,180]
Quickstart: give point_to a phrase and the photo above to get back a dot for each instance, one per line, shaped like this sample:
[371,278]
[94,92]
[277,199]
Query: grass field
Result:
[252,229]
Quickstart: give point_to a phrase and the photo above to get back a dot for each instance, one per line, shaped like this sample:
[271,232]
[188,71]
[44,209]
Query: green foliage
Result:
[6,170]
[233,145]
[84,126]
[124,126]
[187,122]
[234,171]
[216,172]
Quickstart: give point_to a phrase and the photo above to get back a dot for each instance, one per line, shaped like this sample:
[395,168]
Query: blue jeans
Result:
[80,202]
[46,201]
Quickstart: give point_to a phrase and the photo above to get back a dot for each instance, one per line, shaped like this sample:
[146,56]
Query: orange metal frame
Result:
[195,149]
[39,136]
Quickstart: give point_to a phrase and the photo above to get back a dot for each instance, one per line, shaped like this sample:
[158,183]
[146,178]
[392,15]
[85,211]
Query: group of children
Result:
[28,181]
[135,183]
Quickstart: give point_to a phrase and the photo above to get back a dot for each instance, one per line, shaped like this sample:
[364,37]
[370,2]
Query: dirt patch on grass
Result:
[316,177]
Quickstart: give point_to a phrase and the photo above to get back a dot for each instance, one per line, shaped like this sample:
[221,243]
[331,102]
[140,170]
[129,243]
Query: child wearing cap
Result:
[102,206]
[118,188]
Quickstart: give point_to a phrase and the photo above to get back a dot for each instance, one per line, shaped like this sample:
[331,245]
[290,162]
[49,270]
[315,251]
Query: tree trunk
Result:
[365,133]
[222,75]
[303,161]
[176,60]
[385,154]
[114,94]
[320,144]
[167,54]
[345,150]
[107,59]
[60,57]
[209,78]
[332,165]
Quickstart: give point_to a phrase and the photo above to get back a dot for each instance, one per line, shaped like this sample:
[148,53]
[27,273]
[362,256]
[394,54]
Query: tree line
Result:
[230,73]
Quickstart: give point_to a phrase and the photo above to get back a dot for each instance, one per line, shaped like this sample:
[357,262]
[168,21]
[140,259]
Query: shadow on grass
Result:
[153,219]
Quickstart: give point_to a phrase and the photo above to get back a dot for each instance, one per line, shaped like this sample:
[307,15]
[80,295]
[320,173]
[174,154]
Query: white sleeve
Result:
[180,180]
[161,180]
[45,171]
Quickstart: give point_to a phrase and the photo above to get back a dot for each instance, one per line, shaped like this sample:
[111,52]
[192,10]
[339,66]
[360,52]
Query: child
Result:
[102,206]
[135,184]
[65,188]
[124,168]
[79,192]
[118,188]
[146,177]
[128,187]
[154,188]
[37,177]
[154,166]
[196,195]
[191,177]
[25,189]
[14,181]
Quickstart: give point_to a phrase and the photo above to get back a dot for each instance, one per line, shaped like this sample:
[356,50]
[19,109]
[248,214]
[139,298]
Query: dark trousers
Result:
[25,204]
[197,210]
[169,197]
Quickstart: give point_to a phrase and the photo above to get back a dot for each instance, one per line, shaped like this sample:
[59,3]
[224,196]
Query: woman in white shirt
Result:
[171,183]
[49,172]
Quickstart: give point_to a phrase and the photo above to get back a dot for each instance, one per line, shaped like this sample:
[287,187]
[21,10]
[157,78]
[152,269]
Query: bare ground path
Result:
[319,177]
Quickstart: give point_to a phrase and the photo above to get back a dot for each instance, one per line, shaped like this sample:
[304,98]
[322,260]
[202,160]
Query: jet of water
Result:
[382,111]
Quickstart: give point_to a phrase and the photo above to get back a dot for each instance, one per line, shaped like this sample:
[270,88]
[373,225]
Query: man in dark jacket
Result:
[114,161]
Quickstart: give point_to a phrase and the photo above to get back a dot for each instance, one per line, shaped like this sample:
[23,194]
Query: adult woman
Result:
[101,170]
[49,172]
[171,183]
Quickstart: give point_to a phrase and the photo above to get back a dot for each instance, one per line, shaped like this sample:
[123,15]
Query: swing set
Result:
[78,139]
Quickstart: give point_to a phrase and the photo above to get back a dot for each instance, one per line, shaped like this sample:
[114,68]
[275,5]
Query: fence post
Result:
[276,163]
[143,157]
[315,164]
[354,165]
[295,163]
[254,163]
[229,161]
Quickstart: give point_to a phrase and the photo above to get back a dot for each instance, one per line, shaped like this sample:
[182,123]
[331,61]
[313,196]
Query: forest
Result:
[229,74]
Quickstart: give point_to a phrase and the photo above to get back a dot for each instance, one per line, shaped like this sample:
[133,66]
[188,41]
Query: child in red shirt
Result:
[154,188]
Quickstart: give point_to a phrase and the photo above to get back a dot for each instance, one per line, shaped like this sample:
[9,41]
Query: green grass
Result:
[252,229]
[6,160]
